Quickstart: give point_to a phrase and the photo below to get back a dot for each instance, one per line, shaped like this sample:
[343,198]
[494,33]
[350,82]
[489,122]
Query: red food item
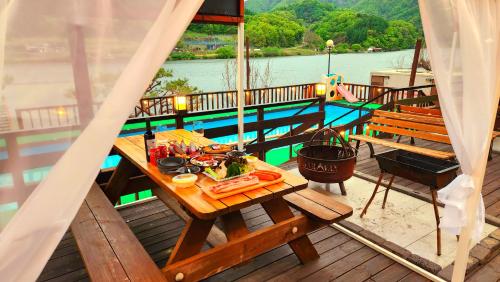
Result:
[263,176]
[234,184]
[266,175]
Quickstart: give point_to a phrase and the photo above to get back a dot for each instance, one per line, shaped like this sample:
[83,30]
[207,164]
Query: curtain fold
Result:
[73,70]
[462,37]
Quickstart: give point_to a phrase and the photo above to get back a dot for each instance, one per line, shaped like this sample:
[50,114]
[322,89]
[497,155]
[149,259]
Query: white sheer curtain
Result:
[463,41]
[71,72]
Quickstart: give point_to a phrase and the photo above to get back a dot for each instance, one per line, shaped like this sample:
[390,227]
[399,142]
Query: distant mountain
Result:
[388,9]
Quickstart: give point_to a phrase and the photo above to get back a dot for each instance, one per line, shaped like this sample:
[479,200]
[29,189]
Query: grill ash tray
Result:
[432,172]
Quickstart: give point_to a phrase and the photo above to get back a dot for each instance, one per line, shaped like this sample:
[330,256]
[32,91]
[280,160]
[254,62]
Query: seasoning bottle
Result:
[149,139]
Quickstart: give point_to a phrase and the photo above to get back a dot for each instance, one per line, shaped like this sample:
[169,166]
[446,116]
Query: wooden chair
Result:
[109,249]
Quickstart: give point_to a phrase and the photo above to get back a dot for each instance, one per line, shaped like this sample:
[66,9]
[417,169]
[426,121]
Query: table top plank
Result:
[193,198]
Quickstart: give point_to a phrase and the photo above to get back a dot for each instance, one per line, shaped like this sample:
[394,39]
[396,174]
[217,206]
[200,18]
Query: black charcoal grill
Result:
[432,172]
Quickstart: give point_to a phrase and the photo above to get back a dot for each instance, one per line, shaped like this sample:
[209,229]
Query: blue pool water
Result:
[332,112]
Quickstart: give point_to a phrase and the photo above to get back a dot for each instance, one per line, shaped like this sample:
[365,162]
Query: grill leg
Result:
[387,191]
[342,188]
[373,195]
[436,214]
[372,151]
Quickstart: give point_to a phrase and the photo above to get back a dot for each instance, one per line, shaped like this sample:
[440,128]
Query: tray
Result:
[205,187]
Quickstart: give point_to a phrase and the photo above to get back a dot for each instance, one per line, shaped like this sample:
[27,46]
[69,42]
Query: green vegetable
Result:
[233,170]
[211,172]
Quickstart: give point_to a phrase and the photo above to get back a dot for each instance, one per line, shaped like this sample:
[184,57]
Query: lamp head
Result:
[320,89]
[329,43]
[180,103]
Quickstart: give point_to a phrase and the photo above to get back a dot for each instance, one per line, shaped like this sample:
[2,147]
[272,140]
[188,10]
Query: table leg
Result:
[436,214]
[387,191]
[234,225]
[119,180]
[373,195]
[216,236]
[192,238]
[279,211]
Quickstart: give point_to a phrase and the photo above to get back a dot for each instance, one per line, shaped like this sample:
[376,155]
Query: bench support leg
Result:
[373,195]
[372,151]
[278,210]
[436,214]
[191,241]
[387,191]
[119,180]
[342,188]
[357,145]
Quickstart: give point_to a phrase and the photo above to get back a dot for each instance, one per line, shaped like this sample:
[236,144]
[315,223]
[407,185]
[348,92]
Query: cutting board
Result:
[205,187]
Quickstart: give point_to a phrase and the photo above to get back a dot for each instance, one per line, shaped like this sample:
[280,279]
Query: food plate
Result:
[217,149]
[206,160]
[227,178]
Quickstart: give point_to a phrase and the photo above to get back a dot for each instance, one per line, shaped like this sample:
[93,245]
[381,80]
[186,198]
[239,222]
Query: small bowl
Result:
[184,180]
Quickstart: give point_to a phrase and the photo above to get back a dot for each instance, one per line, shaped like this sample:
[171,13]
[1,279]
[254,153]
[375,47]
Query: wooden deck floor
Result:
[491,187]
[157,228]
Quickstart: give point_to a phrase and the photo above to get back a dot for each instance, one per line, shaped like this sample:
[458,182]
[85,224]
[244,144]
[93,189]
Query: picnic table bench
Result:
[109,249]
[111,252]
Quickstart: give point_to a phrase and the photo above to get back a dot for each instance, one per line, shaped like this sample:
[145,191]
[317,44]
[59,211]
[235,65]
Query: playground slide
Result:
[347,94]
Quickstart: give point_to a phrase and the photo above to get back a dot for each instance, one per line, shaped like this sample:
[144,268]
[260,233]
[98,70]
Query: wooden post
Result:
[414,65]
[247,45]
[322,100]
[81,77]
[260,133]
[239,84]
[179,119]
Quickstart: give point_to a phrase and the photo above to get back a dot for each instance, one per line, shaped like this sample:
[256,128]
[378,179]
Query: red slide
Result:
[347,94]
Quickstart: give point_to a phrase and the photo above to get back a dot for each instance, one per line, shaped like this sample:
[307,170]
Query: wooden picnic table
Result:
[186,262]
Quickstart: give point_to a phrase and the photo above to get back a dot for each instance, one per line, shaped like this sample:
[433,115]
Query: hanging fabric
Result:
[462,39]
[72,71]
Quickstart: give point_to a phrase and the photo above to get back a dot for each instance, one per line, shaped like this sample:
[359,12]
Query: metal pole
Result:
[240,81]
[329,51]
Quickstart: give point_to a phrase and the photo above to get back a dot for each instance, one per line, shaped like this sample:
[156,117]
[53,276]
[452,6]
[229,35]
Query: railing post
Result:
[322,102]
[260,132]
[179,119]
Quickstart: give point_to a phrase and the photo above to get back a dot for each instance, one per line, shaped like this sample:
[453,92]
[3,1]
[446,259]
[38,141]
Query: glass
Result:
[159,137]
[198,130]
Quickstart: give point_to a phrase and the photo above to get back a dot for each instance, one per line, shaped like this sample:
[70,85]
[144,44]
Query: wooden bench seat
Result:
[109,249]
[407,147]
[318,206]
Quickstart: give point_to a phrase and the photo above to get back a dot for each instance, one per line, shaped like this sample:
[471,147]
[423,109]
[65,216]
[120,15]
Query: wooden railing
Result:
[63,115]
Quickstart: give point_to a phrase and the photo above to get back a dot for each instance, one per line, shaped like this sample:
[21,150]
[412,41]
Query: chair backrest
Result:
[420,111]
[422,127]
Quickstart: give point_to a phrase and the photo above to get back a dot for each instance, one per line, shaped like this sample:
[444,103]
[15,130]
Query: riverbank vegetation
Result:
[300,27]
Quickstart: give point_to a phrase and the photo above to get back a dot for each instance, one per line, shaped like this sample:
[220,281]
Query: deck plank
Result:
[157,229]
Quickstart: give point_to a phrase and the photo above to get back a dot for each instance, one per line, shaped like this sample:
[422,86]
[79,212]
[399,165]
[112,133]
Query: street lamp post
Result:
[329,45]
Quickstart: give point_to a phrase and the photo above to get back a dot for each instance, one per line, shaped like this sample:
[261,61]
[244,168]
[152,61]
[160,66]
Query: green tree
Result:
[161,85]
[275,29]
[225,52]
[312,40]
[356,47]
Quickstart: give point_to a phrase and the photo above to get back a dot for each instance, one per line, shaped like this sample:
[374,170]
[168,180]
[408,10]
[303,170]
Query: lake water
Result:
[207,75]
